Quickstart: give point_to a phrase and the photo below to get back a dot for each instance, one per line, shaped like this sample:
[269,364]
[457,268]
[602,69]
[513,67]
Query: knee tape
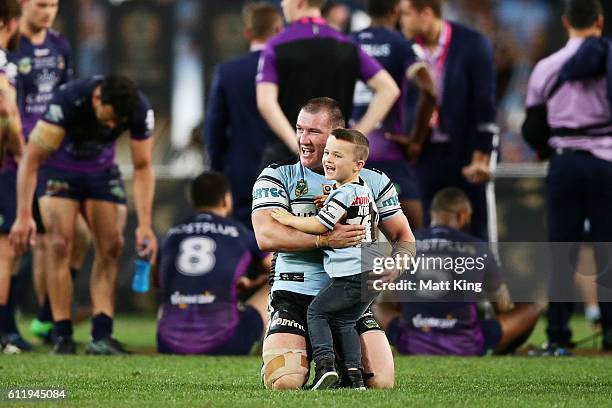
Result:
[281,362]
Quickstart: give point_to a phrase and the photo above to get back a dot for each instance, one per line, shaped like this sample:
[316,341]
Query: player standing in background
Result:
[11,141]
[234,128]
[458,150]
[44,63]
[310,59]
[395,54]
[73,145]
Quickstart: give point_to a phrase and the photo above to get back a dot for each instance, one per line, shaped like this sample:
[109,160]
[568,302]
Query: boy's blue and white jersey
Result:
[354,204]
[294,187]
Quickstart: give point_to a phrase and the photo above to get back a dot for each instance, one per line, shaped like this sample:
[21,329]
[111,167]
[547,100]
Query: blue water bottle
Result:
[140,281]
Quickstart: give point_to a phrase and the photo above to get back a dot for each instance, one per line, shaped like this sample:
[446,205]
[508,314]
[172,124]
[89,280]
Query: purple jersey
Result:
[395,54]
[310,59]
[449,326]
[8,69]
[88,146]
[42,68]
[576,105]
[200,262]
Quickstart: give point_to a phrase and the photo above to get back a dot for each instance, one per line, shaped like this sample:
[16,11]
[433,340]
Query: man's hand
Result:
[477,172]
[23,234]
[412,147]
[281,215]
[146,242]
[387,276]
[343,236]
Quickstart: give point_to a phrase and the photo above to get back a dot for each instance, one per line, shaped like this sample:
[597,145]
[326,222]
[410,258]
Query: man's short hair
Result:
[330,106]
[261,18]
[208,189]
[434,5]
[582,14]
[9,9]
[450,200]
[316,3]
[381,8]
[357,139]
[121,93]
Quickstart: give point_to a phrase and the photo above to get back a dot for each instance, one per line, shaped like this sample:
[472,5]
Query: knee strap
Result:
[281,362]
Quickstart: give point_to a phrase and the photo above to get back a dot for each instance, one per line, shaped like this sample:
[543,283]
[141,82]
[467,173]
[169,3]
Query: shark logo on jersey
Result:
[301,188]
[327,188]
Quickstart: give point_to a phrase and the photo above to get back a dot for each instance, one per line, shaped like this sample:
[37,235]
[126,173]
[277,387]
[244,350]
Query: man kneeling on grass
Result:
[202,265]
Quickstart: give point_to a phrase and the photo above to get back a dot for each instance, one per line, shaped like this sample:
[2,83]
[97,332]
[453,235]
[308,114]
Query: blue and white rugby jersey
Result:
[294,187]
[354,204]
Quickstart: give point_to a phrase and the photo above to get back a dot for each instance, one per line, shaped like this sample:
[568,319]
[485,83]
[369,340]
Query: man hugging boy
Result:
[339,304]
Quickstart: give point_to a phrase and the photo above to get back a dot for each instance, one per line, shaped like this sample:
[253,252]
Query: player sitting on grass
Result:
[339,304]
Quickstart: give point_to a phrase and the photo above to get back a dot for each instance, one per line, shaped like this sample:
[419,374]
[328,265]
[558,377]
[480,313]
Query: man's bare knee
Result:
[59,246]
[112,249]
[381,382]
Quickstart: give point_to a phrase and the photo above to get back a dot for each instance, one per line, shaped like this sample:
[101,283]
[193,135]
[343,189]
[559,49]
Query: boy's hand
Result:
[320,200]
[281,215]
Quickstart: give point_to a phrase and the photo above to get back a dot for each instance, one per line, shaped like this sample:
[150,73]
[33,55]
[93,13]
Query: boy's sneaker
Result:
[354,379]
[107,346]
[325,375]
[64,345]
[13,343]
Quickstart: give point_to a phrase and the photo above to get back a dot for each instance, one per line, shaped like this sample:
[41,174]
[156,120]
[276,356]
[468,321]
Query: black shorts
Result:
[104,185]
[8,203]
[288,315]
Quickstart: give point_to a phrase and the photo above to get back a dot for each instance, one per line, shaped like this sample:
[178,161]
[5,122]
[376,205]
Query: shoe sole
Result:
[327,381]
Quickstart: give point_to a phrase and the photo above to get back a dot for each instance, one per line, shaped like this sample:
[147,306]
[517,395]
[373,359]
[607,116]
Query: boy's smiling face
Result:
[339,160]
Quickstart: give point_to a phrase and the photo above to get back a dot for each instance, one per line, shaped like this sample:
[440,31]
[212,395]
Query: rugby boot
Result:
[13,343]
[107,346]
[325,375]
[64,345]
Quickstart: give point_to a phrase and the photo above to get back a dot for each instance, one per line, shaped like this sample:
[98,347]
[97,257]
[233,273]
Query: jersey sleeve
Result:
[368,66]
[266,68]
[270,191]
[144,121]
[335,208]
[385,194]
[61,111]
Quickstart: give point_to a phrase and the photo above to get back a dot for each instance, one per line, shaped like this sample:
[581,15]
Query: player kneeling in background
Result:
[202,265]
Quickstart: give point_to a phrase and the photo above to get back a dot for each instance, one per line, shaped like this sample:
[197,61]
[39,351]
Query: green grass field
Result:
[146,379]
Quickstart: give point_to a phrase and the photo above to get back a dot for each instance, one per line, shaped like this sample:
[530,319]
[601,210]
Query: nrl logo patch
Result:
[25,65]
[301,188]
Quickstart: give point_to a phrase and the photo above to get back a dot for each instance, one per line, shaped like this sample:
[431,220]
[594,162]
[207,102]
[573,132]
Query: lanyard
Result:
[447,32]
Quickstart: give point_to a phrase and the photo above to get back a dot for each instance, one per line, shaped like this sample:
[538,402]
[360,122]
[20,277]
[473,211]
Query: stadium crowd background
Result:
[172,47]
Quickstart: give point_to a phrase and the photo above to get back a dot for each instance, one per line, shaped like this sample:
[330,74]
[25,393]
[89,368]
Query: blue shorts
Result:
[8,203]
[491,330]
[248,332]
[105,185]
[402,174]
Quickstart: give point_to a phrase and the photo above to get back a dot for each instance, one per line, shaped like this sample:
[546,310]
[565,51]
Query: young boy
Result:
[338,306]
